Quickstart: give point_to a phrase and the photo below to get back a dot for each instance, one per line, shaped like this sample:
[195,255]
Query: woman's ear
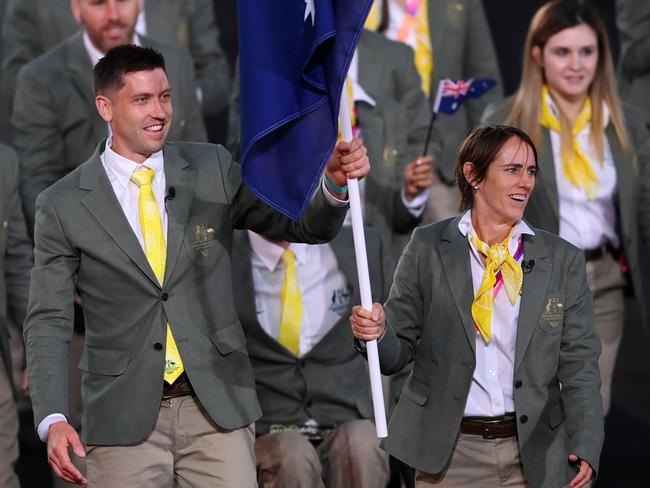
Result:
[468,172]
[536,53]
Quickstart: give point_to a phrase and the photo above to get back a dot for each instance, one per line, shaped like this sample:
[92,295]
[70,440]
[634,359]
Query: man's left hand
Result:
[349,160]
[584,475]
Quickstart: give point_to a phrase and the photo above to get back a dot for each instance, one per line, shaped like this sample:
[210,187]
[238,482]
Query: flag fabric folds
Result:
[453,93]
[294,57]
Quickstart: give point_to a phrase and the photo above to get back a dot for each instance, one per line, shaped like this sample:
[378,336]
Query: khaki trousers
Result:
[606,283]
[479,462]
[185,450]
[350,457]
[8,432]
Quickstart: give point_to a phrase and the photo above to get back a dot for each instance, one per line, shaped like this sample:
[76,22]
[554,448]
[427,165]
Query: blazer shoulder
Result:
[199,154]
[558,246]
[376,41]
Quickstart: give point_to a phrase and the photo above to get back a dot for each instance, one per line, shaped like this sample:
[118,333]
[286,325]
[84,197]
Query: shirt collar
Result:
[94,53]
[467,229]
[556,112]
[122,168]
[270,253]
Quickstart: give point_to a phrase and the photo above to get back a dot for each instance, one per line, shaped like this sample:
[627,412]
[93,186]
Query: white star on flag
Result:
[310,10]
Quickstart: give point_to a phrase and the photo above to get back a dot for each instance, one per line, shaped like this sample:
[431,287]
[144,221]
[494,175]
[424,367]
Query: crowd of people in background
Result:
[587,119]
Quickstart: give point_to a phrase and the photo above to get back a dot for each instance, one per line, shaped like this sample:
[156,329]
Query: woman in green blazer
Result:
[593,186]
[498,321]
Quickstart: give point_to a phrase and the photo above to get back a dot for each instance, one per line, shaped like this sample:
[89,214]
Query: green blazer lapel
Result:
[533,293]
[102,203]
[245,296]
[454,255]
[626,175]
[81,69]
[181,178]
[437,33]
[343,247]
[548,176]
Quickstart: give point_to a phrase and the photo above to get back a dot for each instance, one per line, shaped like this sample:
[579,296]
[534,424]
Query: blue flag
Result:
[453,93]
[294,56]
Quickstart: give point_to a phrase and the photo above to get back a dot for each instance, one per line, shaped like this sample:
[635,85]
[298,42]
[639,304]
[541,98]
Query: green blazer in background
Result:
[32,27]
[56,121]
[328,384]
[83,242]
[393,131]
[633,22]
[556,379]
[632,198]
[462,49]
[15,253]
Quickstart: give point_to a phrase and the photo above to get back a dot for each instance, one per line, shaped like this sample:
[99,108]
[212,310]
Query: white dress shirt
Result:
[490,394]
[325,291]
[587,224]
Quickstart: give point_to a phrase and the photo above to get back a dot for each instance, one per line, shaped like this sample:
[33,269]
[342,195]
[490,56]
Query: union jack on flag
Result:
[453,93]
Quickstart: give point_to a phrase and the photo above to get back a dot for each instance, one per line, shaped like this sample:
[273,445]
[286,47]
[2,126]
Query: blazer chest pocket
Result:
[552,317]
[229,338]
[107,362]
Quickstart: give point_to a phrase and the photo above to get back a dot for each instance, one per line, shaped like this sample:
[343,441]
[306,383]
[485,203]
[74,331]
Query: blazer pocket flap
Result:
[555,416]
[416,390]
[229,338]
[108,362]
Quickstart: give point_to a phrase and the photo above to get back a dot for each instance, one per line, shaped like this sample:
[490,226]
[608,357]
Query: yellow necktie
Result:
[577,168]
[156,251]
[291,320]
[418,16]
[496,257]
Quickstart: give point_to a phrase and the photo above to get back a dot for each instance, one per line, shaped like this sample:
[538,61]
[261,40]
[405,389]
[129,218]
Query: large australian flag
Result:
[294,57]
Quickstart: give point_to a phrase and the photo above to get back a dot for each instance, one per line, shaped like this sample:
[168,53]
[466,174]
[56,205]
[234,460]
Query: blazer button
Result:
[523,419]
[302,363]
[157,346]
[308,403]
[164,297]
[518,384]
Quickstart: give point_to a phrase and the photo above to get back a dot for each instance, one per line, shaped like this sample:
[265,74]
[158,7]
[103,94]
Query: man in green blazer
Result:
[323,387]
[462,48]
[195,430]
[32,27]
[15,266]
[54,117]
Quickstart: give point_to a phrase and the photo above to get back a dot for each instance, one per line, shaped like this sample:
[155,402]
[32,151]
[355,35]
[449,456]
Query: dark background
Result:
[626,453]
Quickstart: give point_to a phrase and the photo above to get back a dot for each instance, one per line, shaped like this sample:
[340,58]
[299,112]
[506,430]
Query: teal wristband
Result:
[334,187]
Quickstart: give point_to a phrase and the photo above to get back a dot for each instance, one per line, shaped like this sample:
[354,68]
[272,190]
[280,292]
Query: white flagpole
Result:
[364,278]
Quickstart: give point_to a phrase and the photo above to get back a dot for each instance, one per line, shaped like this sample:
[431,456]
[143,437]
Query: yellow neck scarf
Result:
[496,257]
[576,166]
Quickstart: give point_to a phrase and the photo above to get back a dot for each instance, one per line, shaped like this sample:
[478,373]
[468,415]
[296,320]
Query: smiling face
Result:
[508,184]
[109,23]
[569,60]
[140,113]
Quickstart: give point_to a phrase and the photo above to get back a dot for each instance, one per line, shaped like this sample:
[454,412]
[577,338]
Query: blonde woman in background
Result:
[593,186]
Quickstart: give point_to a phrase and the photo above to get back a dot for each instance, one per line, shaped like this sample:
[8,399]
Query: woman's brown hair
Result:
[481,148]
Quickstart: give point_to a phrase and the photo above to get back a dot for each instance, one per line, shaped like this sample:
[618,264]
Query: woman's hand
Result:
[368,326]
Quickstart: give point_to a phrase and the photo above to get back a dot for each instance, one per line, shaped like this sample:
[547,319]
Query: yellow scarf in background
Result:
[577,168]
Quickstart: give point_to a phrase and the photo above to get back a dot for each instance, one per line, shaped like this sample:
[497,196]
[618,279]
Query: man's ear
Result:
[468,172]
[104,107]
[76,10]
